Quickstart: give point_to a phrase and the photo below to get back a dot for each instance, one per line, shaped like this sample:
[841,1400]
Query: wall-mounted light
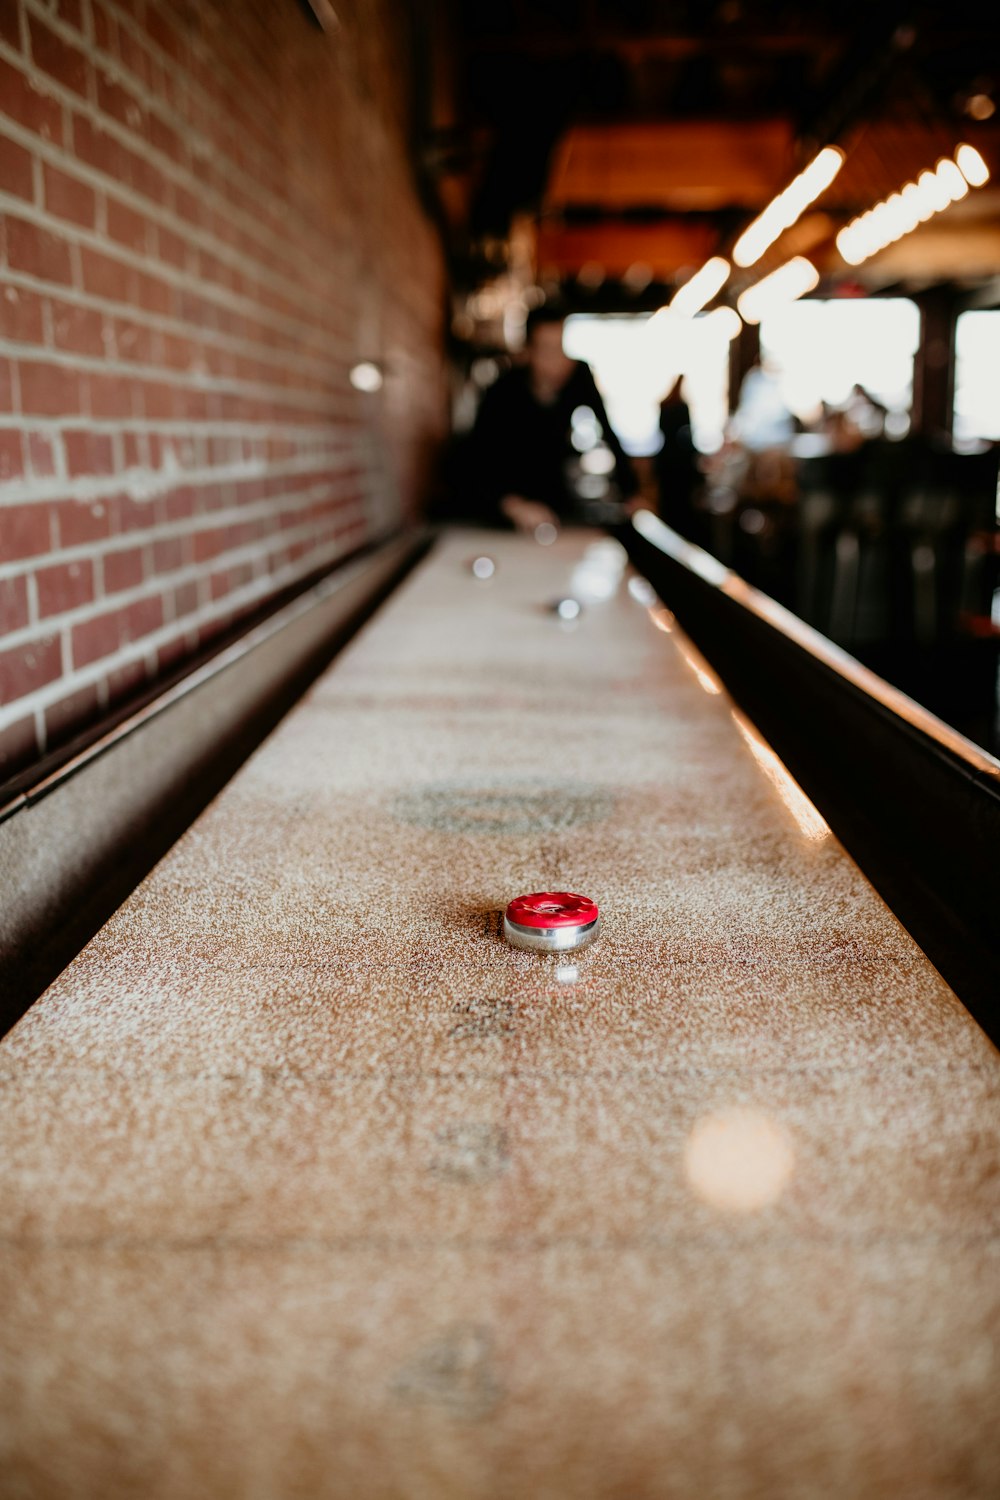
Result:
[914,204]
[366,376]
[979,107]
[784,210]
[792,280]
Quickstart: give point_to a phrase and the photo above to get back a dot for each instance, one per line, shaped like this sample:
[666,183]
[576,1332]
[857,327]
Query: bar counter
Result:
[312,1186]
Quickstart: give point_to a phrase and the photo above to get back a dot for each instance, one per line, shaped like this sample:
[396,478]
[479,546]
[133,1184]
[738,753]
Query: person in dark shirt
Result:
[677,475]
[520,447]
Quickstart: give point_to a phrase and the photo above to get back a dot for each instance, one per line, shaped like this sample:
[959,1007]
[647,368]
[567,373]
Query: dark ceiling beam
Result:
[861,73]
[638,48]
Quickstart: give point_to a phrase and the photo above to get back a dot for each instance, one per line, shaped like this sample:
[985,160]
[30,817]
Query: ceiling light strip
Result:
[698,291]
[784,210]
[792,280]
[914,204]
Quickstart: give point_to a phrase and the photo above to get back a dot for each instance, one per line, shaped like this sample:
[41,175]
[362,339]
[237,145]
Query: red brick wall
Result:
[208,216]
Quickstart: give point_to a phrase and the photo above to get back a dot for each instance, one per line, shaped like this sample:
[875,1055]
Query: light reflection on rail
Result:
[810,821]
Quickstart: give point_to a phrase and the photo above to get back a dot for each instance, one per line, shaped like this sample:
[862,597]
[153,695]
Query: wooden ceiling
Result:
[666,196]
[641,136]
[683,166]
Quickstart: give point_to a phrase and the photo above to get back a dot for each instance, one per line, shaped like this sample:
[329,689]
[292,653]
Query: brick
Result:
[180,504]
[13,604]
[21,315]
[209,630]
[157,400]
[171,247]
[208,544]
[7,384]
[110,396]
[196,310]
[78,329]
[51,390]
[147,179]
[11,455]
[70,12]
[135,56]
[143,617]
[80,522]
[69,198]
[39,454]
[129,514]
[189,208]
[107,633]
[180,353]
[71,715]
[37,251]
[29,103]
[99,149]
[168,555]
[105,29]
[120,103]
[124,682]
[25,531]
[134,341]
[64,586]
[24,669]
[88,453]
[228,580]
[123,570]
[10,25]
[185,599]
[166,140]
[170,655]
[18,746]
[16,175]
[153,295]
[58,58]
[97,637]
[126,226]
[165,35]
[106,277]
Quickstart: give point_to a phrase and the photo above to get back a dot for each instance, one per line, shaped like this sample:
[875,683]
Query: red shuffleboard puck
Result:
[551,921]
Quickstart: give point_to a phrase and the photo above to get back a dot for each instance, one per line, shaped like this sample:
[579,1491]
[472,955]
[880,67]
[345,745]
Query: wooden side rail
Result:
[914,801]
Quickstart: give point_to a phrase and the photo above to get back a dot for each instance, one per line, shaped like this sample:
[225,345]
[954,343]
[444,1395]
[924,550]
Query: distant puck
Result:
[551,921]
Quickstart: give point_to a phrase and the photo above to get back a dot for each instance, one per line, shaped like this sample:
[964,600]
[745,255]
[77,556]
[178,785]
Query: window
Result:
[977,376]
[636,360]
[821,348]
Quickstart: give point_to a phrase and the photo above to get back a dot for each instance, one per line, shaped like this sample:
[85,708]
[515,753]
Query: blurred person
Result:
[677,474]
[520,451]
[865,414]
[762,418]
[856,422]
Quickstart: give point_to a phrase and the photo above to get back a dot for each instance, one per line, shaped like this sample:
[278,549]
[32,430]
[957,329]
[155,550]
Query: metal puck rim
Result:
[551,939]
